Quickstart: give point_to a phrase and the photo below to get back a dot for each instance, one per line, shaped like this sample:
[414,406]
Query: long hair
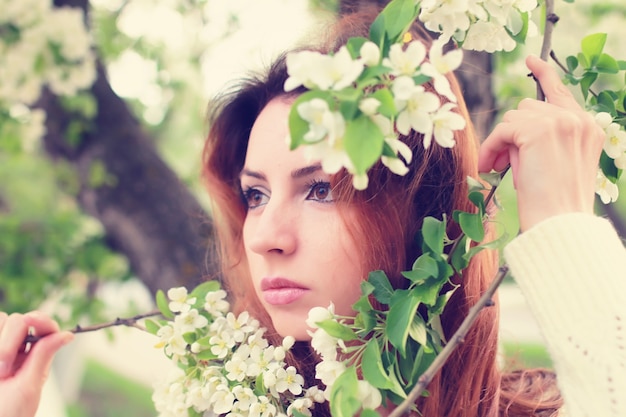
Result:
[389,213]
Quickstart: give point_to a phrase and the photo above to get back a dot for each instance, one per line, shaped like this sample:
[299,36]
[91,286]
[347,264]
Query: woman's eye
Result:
[254,197]
[320,191]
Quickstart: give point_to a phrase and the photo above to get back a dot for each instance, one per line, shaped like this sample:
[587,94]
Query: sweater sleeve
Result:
[572,271]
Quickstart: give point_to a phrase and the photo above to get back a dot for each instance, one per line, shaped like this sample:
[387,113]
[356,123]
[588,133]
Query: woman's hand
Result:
[553,148]
[22,375]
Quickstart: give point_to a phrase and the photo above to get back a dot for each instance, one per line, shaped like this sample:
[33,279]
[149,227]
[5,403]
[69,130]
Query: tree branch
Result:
[457,338]
[129,322]
[546,46]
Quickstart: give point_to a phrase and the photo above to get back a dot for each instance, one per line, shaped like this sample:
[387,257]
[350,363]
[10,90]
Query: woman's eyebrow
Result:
[295,174]
[253,174]
[305,171]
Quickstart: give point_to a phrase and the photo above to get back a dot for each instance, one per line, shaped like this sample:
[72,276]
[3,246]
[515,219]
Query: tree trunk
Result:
[148,213]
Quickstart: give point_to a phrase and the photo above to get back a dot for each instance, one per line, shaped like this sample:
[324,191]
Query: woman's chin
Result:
[300,333]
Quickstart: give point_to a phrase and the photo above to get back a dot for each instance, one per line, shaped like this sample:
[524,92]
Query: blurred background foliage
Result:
[79,209]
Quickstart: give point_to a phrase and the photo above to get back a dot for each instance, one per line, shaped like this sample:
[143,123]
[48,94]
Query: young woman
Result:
[292,237]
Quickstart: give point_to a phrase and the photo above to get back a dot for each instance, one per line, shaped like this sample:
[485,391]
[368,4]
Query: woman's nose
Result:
[273,231]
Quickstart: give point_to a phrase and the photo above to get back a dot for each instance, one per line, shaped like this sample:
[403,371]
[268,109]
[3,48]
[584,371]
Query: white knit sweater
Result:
[572,271]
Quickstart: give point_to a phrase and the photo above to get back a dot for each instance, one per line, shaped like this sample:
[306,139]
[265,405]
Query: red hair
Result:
[389,213]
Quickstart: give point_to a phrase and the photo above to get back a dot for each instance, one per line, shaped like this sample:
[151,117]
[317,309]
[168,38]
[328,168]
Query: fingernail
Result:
[4,370]
[67,338]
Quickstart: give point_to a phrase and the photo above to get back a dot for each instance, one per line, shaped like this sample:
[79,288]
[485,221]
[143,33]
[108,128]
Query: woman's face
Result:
[299,250]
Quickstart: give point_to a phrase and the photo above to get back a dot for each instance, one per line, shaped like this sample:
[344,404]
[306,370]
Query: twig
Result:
[546,46]
[457,338]
[129,322]
[567,71]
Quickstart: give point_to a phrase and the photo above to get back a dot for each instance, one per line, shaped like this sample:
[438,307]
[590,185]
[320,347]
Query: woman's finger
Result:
[36,366]
[555,91]
[12,335]
[14,330]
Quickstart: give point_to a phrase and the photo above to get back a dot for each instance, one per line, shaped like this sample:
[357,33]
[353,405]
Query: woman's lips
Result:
[281,291]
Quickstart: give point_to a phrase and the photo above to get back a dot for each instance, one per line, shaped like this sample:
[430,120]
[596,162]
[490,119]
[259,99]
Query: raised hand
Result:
[22,375]
[553,148]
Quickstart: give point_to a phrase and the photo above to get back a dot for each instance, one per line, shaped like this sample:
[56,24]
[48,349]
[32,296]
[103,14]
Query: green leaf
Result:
[397,17]
[520,36]
[457,260]
[206,355]
[433,232]
[585,84]
[424,267]
[365,321]
[344,400]
[572,63]
[582,60]
[189,337]
[338,330]
[372,366]
[354,46]
[417,330]
[382,287]
[368,412]
[203,289]
[592,46]
[377,31]
[608,167]
[298,127]
[163,305]
[478,199]
[606,102]
[387,106]
[621,64]
[363,141]
[428,291]
[349,109]
[403,306]
[366,288]
[259,386]
[494,244]
[152,326]
[607,64]
[472,225]
[473,184]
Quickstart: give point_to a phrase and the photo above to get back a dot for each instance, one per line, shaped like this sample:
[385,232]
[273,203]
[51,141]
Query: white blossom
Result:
[179,301]
[302,405]
[189,321]
[370,53]
[319,314]
[620,161]
[370,397]
[315,70]
[323,123]
[405,61]
[222,400]
[615,140]
[215,302]
[262,408]
[369,106]
[445,121]
[440,64]
[300,66]
[489,37]
[606,189]
[415,105]
[328,371]
[289,379]
[603,119]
